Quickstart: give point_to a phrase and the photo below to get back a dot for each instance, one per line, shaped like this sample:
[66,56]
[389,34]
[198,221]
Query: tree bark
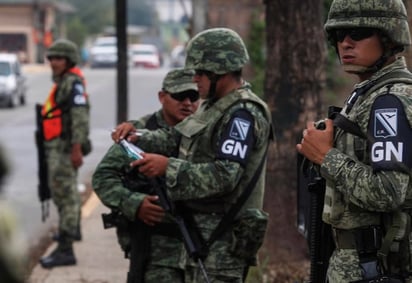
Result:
[295,76]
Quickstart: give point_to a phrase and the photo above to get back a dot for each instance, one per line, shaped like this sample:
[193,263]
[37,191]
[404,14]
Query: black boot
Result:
[77,236]
[59,257]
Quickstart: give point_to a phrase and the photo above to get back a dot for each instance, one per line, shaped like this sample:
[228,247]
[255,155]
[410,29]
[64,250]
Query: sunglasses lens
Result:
[354,34]
[193,96]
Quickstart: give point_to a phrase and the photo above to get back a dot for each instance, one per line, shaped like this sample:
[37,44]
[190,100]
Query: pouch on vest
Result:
[248,234]
[396,247]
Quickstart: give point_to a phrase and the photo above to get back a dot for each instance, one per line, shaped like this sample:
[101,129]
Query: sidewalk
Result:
[99,258]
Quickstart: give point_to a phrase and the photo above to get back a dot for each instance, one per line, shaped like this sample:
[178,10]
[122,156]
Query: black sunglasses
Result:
[355,34]
[181,96]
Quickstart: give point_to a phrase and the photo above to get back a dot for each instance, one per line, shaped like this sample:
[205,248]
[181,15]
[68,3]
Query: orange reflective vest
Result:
[52,113]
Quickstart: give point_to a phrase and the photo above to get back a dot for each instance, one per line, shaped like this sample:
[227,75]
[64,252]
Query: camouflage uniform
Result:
[62,174]
[210,171]
[362,179]
[123,189]
[69,97]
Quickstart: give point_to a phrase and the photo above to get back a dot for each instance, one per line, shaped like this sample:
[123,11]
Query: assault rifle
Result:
[190,238]
[43,186]
[318,234]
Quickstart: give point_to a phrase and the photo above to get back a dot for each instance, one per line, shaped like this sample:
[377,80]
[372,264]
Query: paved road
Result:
[17,135]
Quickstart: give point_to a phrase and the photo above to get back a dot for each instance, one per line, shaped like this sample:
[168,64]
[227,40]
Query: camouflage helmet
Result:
[388,16]
[218,50]
[64,48]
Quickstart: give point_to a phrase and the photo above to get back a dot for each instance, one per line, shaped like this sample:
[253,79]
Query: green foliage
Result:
[94,16]
[256,47]
[76,31]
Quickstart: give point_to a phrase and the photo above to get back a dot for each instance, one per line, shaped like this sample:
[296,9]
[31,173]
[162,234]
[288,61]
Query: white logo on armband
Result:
[234,148]
[79,99]
[239,129]
[386,122]
[387,151]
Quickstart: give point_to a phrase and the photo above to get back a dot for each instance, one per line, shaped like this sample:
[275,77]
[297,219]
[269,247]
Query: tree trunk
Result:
[293,85]
[408,51]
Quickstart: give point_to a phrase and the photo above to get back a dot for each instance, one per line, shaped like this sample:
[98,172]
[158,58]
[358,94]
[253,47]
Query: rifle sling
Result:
[228,218]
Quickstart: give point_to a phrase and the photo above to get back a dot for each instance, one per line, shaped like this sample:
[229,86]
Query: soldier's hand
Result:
[76,155]
[316,143]
[150,212]
[122,131]
[152,165]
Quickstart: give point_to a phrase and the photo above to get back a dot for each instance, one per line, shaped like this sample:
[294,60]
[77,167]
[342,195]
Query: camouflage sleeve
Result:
[162,141]
[75,104]
[188,180]
[141,122]
[376,191]
[79,113]
[109,187]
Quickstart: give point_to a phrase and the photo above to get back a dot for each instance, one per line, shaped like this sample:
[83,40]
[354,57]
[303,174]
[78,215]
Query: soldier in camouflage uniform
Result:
[66,130]
[13,261]
[367,160]
[130,193]
[220,149]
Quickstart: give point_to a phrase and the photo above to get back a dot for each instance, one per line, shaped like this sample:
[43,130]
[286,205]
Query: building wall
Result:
[17,20]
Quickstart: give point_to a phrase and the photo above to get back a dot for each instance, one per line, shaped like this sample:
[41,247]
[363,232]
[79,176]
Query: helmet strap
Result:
[213,78]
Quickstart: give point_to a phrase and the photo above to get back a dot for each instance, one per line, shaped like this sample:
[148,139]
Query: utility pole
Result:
[122,58]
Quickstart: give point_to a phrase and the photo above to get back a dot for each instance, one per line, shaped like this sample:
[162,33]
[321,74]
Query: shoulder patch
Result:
[79,97]
[239,129]
[392,135]
[386,122]
[237,138]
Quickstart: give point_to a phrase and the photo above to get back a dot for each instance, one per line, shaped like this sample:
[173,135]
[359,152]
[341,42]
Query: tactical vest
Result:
[52,112]
[394,252]
[199,141]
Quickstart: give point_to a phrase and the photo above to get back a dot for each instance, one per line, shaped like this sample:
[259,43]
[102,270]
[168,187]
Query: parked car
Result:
[178,56]
[104,52]
[144,55]
[12,82]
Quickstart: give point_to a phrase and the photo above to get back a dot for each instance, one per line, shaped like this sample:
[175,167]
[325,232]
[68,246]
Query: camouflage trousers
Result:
[344,266]
[62,178]
[163,274]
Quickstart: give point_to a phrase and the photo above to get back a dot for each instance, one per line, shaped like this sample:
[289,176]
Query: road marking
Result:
[92,202]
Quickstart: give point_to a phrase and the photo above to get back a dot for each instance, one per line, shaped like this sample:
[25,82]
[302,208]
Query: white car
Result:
[104,52]
[178,56]
[144,55]
[12,82]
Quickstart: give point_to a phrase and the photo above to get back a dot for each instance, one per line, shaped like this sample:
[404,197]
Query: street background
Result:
[17,128]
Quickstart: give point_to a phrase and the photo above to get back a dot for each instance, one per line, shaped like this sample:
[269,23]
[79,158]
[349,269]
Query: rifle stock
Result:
[311,190]
[43,188]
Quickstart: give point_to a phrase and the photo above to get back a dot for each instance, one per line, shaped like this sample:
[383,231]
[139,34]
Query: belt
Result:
[363,239]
